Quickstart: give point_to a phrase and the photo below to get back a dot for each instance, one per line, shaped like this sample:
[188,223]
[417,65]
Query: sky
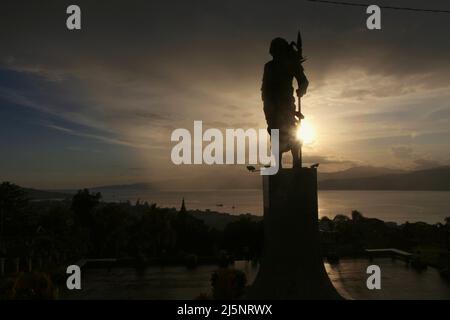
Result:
[97,106]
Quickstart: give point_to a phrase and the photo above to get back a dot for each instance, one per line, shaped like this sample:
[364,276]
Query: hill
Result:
[436,179]
[358,172]
[34,194]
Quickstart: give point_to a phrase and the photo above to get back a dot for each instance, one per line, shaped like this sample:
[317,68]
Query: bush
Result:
[33,286]
[228,284]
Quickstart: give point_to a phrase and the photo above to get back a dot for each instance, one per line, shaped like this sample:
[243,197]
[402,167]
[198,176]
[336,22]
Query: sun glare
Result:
[306,132]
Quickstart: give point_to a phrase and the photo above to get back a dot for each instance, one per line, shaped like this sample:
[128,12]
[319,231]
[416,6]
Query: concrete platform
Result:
[292,265]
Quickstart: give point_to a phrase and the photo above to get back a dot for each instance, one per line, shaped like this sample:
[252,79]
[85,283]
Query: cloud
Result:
[100,137]
[418,161]
[426,164]
[402,152]
[131,76]
[328,163]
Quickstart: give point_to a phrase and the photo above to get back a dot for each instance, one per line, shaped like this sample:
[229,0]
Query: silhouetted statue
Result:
[277,94]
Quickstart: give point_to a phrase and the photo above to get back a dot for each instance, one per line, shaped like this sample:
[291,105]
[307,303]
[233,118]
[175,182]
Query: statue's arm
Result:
[302,81]
[264,82]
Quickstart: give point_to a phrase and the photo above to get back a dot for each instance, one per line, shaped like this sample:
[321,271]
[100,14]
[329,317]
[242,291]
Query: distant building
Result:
[183,207]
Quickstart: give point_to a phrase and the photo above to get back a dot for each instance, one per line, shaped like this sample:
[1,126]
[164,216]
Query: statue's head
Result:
[279,47]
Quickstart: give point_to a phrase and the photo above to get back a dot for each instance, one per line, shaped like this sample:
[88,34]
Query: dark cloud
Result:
[139,69]
[229,38]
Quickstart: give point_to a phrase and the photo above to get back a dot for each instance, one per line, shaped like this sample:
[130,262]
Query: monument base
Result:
[292,265]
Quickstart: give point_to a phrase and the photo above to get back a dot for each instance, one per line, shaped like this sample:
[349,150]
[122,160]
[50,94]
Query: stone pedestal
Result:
[30,264]
[292,265]
[2,266]
[17,264]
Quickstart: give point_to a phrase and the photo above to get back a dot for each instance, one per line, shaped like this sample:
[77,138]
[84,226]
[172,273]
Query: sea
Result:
[394,206]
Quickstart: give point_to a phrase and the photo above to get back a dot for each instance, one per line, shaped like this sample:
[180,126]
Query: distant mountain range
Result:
[126,187]
[239,178]
[356,178]
[34,194]
[358,172]
[436,179]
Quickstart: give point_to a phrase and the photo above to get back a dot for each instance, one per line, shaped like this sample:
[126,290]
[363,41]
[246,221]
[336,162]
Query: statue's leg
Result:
[296,161]
[280,158]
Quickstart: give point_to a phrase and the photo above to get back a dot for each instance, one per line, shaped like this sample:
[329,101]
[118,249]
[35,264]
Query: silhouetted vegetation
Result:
[347,236]
[39,239]
[49,235]
[228,284]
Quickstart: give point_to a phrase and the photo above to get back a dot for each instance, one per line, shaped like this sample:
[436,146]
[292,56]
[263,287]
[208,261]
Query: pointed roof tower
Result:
[183,207]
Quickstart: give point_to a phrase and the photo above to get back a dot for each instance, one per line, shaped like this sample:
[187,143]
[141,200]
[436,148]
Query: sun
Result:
[306,133]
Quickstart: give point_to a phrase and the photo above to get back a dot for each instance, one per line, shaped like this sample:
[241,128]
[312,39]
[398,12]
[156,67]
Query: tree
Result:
[82,205]
[244,237]
[228,284]
[447,221]
[357,216]
[340,219]
[13,202]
